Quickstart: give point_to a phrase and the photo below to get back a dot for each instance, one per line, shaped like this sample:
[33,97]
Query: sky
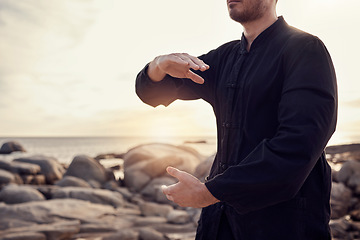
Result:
[68,67]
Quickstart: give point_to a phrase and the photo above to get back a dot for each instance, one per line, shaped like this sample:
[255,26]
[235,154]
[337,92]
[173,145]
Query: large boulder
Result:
[50,167]
[11,146]
[145,163]
[100,196]
[12,194]
[88,169]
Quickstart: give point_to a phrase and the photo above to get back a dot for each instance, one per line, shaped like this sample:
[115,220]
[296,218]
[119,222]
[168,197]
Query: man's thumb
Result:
[174,172]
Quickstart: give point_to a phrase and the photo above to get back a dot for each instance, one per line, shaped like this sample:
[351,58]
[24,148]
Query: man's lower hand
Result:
[189,191]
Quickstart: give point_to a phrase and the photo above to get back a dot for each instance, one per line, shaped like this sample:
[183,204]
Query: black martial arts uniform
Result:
[276,109]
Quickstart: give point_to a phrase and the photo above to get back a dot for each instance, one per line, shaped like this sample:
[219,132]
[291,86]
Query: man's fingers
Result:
[200,63]
[173,172]
[193,62]
[165,189]
[194,77]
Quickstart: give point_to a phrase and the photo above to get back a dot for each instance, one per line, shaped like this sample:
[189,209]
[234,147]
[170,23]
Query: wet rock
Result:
[70,181]
[100,196]
[340,200]
[88,169]
[178,217]
[50,167]
[11,146]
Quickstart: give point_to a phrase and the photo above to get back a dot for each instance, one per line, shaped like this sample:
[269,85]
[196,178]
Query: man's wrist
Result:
[154,72]
[208,198]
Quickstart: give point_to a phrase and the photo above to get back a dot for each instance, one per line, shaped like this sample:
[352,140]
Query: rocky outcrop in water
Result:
[11,146]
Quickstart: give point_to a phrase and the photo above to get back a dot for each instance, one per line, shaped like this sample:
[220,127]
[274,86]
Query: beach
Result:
[110,188]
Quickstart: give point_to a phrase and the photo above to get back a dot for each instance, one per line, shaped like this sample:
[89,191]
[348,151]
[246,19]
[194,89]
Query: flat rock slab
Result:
[53,231]
[47,212]
[100,196]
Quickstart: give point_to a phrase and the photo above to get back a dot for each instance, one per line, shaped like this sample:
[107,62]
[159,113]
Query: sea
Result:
[64,149]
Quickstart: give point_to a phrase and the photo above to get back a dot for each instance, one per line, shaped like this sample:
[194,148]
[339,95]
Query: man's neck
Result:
[254,28]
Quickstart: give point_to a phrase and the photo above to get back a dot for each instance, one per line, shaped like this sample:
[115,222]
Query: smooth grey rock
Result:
[340,200]
[149,221]
[178,217]
[147,233]
[46,212]
[70,181]
[50,167]
[175,228]
[5,165]
[60,230]
[23,236]
[203,169]
[34,179]
[96,227]
[88,169]
[147,162]
[12,194]
[11,146]
[125,234]
[135,179]
[19,167]
[25,168]
[348,169]
[6,177]
[155,209]
[339,228]
[153,189]
[124,192]
[100,196]
[354,183]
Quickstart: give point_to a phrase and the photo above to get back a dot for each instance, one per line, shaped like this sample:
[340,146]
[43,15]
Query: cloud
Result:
[31,30]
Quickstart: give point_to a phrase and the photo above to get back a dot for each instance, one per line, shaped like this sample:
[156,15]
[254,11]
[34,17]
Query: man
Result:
[274,96]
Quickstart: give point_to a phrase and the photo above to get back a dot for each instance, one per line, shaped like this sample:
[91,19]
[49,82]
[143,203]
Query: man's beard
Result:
[250,13]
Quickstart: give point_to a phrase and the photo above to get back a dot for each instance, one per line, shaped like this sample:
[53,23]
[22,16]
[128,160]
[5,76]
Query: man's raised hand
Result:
[177,65]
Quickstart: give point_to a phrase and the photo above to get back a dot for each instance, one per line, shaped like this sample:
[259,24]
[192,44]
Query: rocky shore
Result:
[118,196]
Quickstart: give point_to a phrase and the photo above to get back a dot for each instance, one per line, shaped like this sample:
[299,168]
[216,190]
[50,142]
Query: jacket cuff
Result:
[214,189]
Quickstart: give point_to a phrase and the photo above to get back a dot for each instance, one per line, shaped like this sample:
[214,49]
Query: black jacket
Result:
[276,108]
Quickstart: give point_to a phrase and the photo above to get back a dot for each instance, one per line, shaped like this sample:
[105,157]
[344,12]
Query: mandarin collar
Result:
[263,36]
